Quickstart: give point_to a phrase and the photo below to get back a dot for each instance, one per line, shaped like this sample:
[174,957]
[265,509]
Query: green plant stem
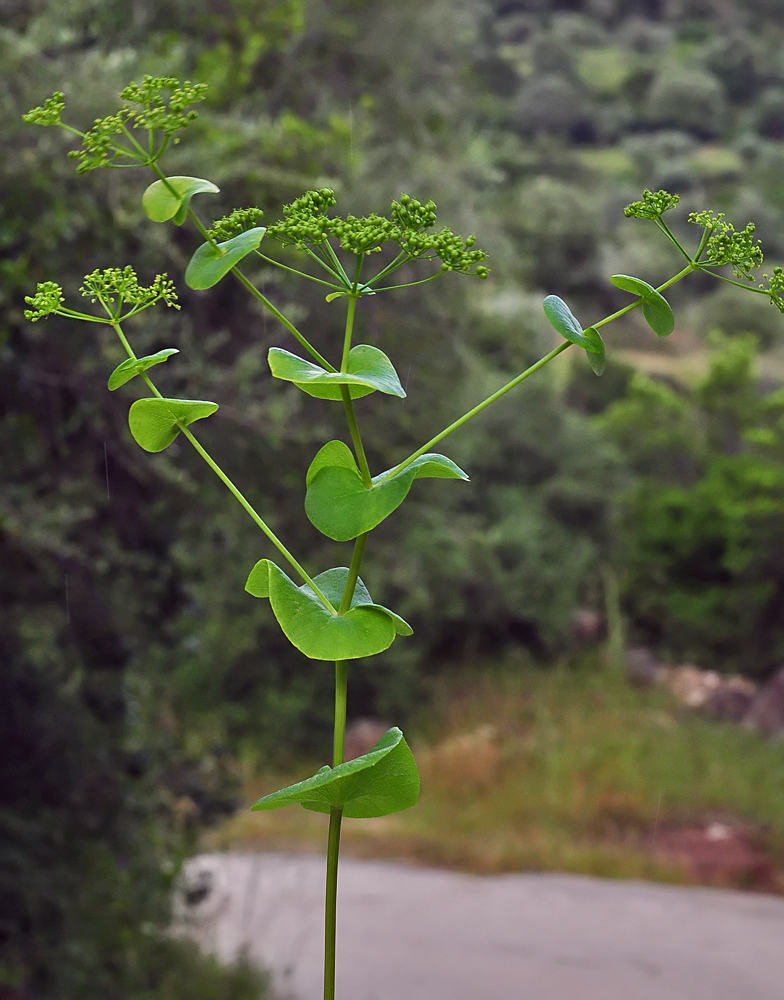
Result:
[353,573]
[330,914]
[255,292]
[524,375]
[336,815]
[345,391]
[301,274]
[352,306]
[282,319]
[362,461]
[229,484]
[478,409]
[339,734]
[259,521]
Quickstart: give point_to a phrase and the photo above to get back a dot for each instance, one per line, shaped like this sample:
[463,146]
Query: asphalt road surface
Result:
[408,933]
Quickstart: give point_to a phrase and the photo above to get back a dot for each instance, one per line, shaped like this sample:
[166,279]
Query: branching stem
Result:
[249,509]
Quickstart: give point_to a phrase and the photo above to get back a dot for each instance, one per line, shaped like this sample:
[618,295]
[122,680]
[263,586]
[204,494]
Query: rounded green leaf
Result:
[655,308]
[566,323]
[381,782]
[155,423]
[342,507]
[211,262]
[364,630]
[368,369]
[135,366]
[169,199]
[595,356]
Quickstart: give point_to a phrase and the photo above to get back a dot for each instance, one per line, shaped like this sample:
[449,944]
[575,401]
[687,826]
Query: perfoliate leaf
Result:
[566,323]
[368,369]
[135,366]
[212,262]
[342,507]
[381,782]
[170,199]
[655,308]
[364,630]
[596,358]
[155,423]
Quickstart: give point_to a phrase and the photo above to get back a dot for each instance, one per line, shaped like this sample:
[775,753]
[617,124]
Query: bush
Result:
[700,528]
[689,99]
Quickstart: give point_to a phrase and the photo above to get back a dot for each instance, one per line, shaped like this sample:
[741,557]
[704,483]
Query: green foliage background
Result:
[135,668]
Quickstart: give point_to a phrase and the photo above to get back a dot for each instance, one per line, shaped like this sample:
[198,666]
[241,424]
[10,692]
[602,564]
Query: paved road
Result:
[418,934]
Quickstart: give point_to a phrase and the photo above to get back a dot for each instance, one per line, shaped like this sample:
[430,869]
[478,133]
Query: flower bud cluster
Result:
[147,106]
[119,286]
[47,300]
[167,114]
[652,206]
[411,215]
[48,113]
[775,288]
[366,234]
[305,224]
[728,247]
[99,148]
[236,222]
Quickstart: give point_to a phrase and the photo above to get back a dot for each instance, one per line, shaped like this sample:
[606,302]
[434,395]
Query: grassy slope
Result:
[558,770]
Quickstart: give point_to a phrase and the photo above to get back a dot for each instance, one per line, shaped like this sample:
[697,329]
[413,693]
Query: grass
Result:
[567,769]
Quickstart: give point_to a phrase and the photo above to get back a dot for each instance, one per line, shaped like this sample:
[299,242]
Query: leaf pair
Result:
[340,505]
[213,261]
[135,366]
[566,323]
[170,198]
[655,308]
[368,369]
[381,782]
[318,632]
[156,422]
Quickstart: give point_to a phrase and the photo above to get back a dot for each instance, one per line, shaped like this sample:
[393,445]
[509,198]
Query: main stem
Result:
[341,676]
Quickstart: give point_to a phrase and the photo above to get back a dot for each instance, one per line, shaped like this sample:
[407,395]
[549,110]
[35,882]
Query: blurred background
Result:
[597,615]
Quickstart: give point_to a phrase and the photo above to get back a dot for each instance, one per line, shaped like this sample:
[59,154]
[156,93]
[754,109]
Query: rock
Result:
[586,626]
[721,853]
[766,712]
[692,685]
[361,736]
[731,700]
[642,667]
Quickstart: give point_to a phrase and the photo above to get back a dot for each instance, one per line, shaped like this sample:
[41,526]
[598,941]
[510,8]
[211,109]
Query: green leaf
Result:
[381,782]
[566,323]
[342,507]
[135,366]
[170,199]
[155,423]
[368,369]
[211,262]
[655,308]
[364,630]
[595,356]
